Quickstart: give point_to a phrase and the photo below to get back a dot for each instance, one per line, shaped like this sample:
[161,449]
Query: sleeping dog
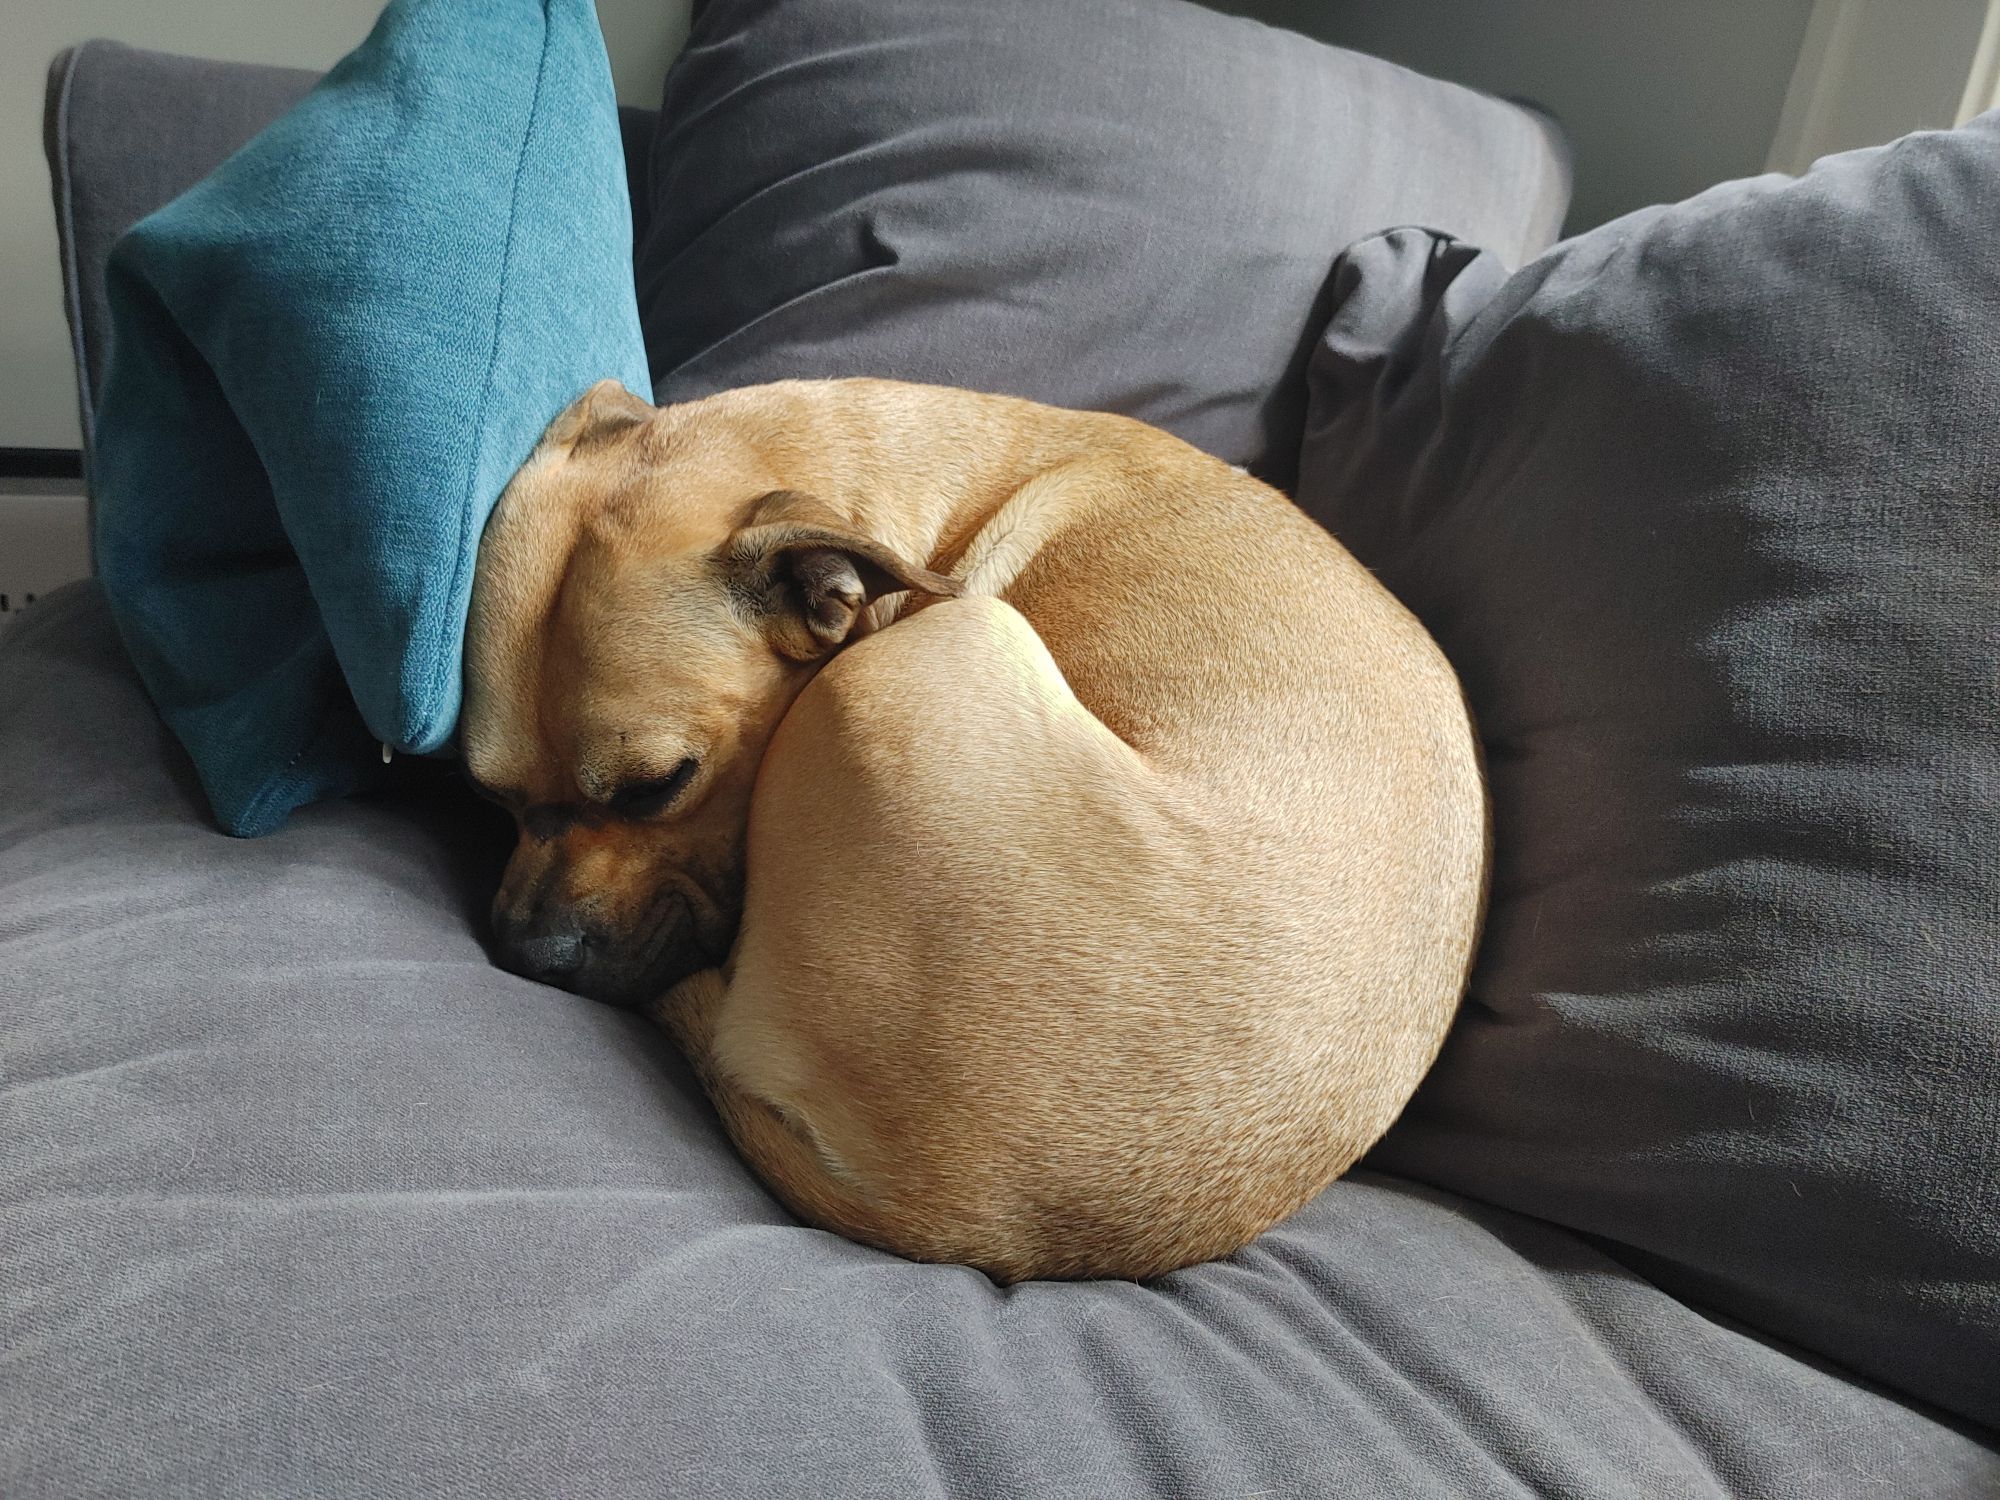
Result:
[1053,852]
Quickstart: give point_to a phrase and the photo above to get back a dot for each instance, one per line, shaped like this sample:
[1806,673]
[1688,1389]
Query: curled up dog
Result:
[1053,851]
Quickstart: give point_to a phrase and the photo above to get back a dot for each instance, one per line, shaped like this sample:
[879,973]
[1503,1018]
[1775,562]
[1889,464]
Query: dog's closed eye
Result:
[652,795]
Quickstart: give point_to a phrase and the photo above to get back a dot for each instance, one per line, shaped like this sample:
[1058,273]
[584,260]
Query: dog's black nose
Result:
[556,955]
[551,955]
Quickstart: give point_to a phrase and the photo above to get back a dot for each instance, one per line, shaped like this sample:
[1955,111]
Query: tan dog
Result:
[1108,845]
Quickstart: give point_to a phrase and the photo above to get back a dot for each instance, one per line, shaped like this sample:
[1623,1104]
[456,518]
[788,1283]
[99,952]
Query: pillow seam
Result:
[65,189]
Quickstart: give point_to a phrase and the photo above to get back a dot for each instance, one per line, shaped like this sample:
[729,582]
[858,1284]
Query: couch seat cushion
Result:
[299,1195]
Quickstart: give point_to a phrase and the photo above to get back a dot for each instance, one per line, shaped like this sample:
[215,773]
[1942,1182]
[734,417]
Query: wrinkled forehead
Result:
[626,624]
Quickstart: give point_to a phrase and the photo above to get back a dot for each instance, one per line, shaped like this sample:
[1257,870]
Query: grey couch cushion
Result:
[300,1196]
[1703,506]
[1123,204]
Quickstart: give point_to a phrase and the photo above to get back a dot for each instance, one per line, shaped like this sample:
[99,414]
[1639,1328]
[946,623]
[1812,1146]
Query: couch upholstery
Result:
[299,1195]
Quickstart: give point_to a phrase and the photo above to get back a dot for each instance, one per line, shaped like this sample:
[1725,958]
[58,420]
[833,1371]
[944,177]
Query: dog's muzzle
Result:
[557,945]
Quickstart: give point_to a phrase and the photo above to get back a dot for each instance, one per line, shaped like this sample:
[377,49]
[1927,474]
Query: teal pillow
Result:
[327,360]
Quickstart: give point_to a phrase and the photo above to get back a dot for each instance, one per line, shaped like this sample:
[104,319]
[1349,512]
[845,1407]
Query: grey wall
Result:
[1661,98]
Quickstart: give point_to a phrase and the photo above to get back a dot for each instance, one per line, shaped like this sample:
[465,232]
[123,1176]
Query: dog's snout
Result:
[587,950]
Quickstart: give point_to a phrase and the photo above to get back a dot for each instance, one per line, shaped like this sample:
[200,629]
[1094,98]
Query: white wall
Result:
[37,382]
[1872,70]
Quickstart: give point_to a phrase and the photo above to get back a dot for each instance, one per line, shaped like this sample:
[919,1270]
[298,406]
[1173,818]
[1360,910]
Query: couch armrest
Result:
[127,130]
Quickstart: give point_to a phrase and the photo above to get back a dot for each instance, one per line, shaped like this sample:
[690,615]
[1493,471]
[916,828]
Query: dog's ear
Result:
[810,583]
[604,410]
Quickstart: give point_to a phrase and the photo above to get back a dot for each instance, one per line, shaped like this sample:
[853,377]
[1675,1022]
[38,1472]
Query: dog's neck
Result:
[961,487]
[987,538]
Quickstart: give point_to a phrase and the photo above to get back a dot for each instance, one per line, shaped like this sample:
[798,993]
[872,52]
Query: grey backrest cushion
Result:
[1705,506]
[127,130]
[1122,204]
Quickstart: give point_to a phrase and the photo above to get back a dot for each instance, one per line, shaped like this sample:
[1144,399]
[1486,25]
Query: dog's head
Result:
[649,600]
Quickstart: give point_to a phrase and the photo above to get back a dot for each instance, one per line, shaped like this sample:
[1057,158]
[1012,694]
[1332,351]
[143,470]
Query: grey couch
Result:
[299,1195]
